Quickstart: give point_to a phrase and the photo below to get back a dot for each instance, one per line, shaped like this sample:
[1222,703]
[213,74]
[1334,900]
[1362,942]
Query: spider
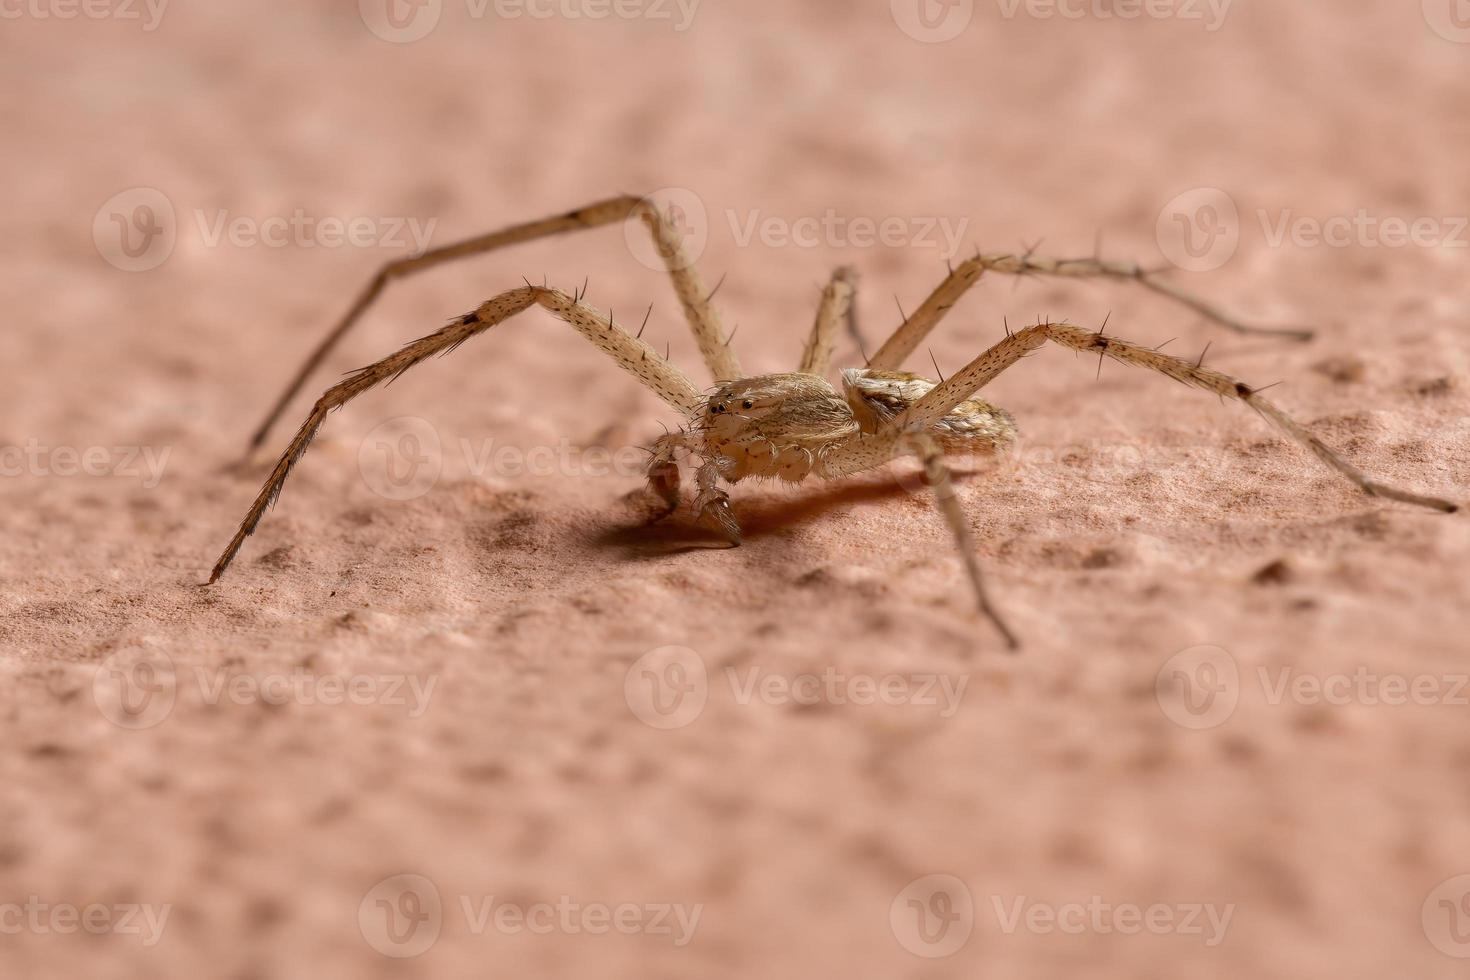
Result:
[797,425]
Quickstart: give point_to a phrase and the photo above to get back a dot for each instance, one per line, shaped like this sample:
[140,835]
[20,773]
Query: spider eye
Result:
[748,403]
[717,409]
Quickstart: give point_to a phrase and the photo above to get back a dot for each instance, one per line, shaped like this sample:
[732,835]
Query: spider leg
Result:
[866,450]
[636,357]
[916,327]
[713,504]
[979,372]
[695,302]
[663,477]
[714,345]
[834,311]
[912,429]
[936,473]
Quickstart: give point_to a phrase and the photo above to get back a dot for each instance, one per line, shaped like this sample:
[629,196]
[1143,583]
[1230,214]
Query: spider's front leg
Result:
[633,355]
[712,504]
[663,478]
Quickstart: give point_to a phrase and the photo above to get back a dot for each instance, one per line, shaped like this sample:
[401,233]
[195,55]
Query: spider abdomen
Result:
[971,427]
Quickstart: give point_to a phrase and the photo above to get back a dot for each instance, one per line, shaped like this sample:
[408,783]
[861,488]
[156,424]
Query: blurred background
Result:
[195,191]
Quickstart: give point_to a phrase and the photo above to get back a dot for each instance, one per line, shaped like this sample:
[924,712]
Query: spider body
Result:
[794,426]
[784,426]
[771,425]
[781,425]
[797,425]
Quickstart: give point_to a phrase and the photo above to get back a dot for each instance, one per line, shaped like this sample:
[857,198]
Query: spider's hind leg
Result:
[906,339]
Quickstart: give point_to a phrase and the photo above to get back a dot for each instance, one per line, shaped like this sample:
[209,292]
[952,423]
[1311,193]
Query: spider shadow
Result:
[764,516]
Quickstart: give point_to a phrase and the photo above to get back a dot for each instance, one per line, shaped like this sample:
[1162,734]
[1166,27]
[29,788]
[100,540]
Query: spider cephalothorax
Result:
[793,426]
[772,425]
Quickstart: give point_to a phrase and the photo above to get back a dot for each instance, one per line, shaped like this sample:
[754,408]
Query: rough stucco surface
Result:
[1137,520]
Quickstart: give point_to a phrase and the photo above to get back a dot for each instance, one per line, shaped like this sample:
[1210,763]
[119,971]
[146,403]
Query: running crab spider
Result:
[798,425]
